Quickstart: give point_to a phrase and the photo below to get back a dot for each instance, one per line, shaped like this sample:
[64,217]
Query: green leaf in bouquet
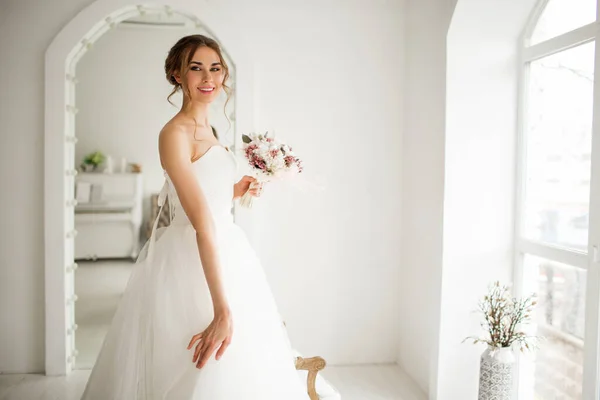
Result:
[246,139]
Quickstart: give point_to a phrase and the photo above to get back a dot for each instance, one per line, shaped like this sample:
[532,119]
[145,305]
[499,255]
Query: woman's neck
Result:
[196,111]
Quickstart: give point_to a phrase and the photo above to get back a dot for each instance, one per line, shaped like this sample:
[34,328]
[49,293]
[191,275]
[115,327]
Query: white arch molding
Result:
[66,49]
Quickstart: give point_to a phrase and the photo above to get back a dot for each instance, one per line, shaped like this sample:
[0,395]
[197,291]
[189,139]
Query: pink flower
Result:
[264,154]
[289,160]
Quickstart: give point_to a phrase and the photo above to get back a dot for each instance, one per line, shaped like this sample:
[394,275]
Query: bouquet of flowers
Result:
[503,316]
[269,159]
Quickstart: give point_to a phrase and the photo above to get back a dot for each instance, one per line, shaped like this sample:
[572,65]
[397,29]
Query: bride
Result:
[198,319]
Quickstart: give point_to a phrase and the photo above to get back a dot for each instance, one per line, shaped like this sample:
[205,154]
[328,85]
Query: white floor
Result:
[99,286]
[367,382]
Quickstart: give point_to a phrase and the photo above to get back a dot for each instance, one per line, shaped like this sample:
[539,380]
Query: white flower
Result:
[279,161]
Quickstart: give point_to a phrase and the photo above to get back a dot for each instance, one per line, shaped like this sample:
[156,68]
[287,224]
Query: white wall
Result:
[331,80]
[481,122]
[423,187]
[335,91]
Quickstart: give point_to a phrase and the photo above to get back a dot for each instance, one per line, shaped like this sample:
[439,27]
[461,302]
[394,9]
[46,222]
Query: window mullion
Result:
[564,256]
[560,43]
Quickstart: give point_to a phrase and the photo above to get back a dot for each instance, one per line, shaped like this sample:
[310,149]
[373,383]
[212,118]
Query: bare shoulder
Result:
[173,131]
[173,143]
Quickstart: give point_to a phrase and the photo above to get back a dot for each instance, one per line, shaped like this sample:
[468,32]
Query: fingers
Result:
[256,190]
[204,350]
[205,355]
[195,338]
[223,347]
[197,352]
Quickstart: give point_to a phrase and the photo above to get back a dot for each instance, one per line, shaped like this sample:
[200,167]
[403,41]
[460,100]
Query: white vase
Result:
[123,168]
[496,374]
[108,165]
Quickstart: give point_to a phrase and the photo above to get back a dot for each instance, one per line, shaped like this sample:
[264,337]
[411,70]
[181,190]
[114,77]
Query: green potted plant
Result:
[92,161]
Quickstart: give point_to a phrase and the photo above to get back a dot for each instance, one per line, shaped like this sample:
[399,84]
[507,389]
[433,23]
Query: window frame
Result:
[588,261]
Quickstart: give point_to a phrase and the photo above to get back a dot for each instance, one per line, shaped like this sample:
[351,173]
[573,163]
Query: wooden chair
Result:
[313,365]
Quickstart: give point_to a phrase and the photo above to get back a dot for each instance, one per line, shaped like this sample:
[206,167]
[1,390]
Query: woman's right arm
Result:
[175,152]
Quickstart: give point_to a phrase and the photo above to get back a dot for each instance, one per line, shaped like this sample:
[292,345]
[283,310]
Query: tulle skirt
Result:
[167,301]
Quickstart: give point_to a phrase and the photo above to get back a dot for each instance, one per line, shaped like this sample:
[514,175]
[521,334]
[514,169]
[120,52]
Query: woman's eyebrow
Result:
[199,63]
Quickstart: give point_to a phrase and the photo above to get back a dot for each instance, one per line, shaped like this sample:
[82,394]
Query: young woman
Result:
[198,319]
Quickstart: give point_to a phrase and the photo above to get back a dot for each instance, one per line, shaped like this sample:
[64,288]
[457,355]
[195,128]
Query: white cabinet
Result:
[108,226]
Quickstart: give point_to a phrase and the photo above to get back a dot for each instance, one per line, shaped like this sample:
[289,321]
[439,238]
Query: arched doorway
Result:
[62,56]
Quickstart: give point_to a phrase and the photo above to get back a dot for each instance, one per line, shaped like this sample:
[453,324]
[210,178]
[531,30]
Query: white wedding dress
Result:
[167,301]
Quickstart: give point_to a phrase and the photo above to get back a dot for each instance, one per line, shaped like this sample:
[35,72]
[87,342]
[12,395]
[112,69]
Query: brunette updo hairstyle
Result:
[181,54]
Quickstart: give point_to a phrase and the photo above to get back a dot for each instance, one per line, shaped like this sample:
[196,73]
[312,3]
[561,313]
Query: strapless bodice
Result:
[216,173]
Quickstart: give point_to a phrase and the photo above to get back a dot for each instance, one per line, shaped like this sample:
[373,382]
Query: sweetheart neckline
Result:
[206,153]
[209,149]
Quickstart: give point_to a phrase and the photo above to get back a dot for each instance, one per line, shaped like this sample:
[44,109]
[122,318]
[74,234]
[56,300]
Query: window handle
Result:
[595,253]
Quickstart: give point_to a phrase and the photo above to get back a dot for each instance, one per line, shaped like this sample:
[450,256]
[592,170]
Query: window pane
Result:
[559,317]
[558,138]
[562,16]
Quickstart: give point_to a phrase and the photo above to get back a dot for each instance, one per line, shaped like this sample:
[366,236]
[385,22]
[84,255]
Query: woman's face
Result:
[204,75]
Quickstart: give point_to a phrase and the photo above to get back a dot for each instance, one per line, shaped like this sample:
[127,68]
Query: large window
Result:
[554,238]
[559,145]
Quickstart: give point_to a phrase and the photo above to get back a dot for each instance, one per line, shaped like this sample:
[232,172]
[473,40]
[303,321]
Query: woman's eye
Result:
[196,68]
